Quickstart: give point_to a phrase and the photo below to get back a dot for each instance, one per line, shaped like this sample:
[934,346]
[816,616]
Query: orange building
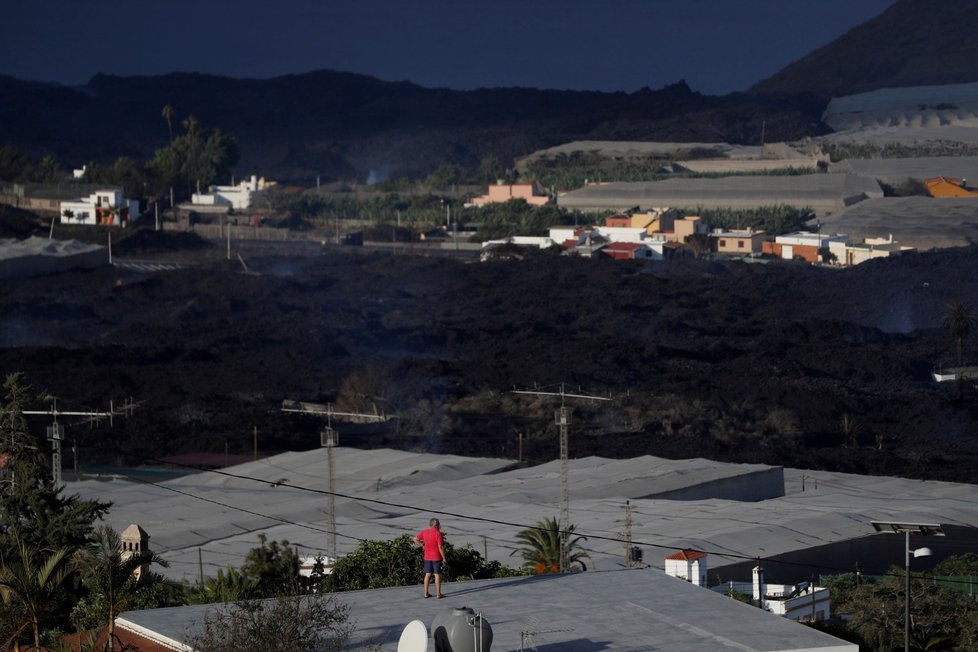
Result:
[618,221]
[948,187]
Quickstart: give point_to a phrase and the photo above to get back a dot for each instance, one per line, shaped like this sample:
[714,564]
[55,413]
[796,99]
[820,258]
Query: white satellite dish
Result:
[414,638]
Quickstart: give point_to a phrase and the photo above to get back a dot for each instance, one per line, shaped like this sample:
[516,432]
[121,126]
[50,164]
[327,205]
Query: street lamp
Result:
[925,529]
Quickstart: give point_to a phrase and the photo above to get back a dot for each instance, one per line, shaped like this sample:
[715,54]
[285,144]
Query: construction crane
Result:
[56,431]
[329,439]
[563,420]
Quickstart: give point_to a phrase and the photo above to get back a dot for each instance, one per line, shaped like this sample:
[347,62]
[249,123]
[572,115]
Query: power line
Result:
[563,420]
[329,439]
[413,508]
[600,537]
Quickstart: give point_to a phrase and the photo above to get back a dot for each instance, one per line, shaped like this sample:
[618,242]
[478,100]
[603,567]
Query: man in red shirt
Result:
[434,555]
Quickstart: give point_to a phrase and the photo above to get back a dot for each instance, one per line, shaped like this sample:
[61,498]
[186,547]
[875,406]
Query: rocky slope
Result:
[784,364]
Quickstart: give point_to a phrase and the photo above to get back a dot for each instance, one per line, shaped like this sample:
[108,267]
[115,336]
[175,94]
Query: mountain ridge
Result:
[340,125]
[912,43]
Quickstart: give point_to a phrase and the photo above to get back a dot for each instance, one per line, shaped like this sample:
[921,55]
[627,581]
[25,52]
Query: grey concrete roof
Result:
[386,493]
[823,193]
[639,609]
[921,222]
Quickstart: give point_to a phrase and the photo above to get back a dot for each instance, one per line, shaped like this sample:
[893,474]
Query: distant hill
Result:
[335,125]
[343,125]
[913,43]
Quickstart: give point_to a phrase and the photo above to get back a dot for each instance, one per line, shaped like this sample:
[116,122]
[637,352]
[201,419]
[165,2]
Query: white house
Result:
[689,565]
[621,234]
[853,254]
[239,197]
[107,207]
[801,601]
[541,242]
[563,233]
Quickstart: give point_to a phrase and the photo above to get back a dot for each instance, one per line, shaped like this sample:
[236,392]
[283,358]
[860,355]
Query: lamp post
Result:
[925,529]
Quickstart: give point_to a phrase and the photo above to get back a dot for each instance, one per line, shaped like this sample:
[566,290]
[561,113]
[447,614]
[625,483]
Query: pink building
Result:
[501,193]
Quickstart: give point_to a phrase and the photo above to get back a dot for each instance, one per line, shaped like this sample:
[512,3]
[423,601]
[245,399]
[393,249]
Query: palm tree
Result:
[112,574]
[959,321]
[35,582]
[540,547]
[168,115]
[226,588]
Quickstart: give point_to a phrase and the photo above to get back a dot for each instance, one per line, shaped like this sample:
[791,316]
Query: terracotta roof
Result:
[688,554]
[125,640]
[624,246]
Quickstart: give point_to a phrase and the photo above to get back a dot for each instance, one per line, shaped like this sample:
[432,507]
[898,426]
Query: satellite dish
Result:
[414,638]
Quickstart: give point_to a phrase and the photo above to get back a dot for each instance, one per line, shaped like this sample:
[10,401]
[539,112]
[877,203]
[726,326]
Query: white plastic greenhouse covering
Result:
[920,222]
[214,518]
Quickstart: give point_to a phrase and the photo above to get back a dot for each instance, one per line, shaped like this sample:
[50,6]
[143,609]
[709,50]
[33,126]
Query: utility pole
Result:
[628,534]
[56,432]
[562,417]
[329,439]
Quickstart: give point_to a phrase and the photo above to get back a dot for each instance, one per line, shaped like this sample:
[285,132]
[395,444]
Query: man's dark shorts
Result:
[432,567]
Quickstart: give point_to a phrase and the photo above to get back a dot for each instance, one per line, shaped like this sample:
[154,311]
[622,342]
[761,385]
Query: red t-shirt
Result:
[432,541]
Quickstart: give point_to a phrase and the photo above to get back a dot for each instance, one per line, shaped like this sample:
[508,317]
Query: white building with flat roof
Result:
[107,207]
[239,197]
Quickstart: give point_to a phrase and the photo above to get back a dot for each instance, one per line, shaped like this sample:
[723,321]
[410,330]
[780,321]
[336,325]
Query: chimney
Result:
[759,586]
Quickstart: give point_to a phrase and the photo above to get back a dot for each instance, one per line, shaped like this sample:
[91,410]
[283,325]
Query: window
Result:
[740,244]
[723,243]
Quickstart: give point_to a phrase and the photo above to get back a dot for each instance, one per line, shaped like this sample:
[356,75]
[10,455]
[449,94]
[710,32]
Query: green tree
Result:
[959,321]
[698,244]
[32,508]
[283,624]
[15,165]
[168,114]
[491,170]
[226,587]
[200,156]
[272,568]
[540,548]
[50,170]
[966,564]
[126,172]
[34,513]
[111,577]
[940,618]
[446,176]
[398,562]
[36,582]
[378,564]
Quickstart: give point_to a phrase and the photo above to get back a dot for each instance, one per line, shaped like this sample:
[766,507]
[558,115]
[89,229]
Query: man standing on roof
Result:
[434,555]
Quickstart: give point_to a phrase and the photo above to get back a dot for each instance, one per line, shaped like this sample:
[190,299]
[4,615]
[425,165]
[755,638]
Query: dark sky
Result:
[717,46]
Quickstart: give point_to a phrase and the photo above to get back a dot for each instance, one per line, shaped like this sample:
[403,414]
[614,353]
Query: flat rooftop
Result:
[638,609]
